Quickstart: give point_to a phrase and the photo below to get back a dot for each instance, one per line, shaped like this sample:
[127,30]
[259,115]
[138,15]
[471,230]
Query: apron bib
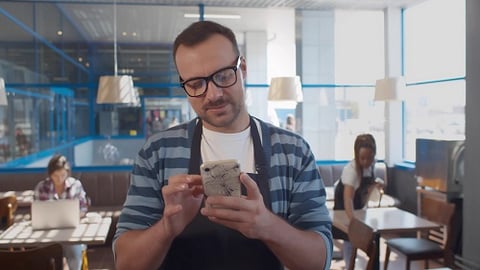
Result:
[207,245]
[360,199]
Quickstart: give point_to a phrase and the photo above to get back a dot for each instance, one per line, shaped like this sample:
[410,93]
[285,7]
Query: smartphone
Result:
[221,177]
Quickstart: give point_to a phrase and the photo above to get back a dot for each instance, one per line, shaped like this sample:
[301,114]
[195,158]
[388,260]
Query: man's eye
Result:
[196,84]
[223,76]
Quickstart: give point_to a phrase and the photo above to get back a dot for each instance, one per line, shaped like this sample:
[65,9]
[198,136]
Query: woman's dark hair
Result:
[58,162]
[200,31]
[363,141]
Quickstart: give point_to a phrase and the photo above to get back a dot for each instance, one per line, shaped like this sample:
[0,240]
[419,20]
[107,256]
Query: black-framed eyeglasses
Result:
[224,77]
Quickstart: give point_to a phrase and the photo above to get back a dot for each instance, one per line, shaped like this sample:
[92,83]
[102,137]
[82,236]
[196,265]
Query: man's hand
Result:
[246,214]
[183,197]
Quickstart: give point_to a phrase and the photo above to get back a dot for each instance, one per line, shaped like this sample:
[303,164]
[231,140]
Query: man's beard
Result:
[224,119]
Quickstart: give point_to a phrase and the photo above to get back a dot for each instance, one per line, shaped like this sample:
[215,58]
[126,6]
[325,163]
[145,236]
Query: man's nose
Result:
[213,91]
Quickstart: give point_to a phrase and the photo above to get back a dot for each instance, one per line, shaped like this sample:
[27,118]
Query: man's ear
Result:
[243,66]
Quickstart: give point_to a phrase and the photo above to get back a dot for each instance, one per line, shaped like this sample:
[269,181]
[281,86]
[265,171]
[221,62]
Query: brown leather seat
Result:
[362,237]
[42,258]
[8,206]
[429,245]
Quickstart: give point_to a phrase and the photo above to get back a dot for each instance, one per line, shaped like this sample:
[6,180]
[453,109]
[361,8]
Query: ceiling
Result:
[145,30]
[154,21]
[299,4]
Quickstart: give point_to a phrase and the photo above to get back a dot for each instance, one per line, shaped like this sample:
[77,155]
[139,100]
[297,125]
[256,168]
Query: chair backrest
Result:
[441,212]
[8,206]
[362,237]
[42,258]
[436,210]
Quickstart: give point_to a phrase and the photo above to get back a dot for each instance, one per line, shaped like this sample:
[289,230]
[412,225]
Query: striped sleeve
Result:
[297,191]
[164,154]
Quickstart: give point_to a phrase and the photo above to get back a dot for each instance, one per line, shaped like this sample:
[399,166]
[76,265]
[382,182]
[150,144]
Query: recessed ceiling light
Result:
[212,16]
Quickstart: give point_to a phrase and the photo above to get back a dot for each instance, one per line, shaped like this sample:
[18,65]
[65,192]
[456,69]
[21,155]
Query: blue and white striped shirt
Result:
[296,191]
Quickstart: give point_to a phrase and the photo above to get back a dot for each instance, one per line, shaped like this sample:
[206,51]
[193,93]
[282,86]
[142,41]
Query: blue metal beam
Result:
[42,39]
[201,11]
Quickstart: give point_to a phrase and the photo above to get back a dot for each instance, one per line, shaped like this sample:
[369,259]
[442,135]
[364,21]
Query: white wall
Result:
[270,52]
[281,58]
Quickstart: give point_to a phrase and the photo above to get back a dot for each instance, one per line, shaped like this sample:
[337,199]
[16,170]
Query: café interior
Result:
[405,71]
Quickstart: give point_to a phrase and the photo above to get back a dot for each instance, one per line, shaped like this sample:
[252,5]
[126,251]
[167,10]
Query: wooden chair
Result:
[8,206]
[42,258]
[434,244]
[362,237]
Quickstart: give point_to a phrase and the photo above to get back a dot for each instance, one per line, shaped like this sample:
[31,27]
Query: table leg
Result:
[376,264]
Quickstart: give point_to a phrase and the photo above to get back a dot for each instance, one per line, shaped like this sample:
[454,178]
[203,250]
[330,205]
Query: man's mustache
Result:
[216,103]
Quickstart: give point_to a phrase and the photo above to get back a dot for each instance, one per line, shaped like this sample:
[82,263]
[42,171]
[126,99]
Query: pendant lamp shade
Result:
[116,89]
[3,93]
[285,89]
[389,89]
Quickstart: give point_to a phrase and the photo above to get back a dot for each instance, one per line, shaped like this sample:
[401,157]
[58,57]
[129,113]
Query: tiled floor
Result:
[101,258]
[396,262]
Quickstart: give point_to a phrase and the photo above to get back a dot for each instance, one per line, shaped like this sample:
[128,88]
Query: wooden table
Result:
[383,220]
[20,234]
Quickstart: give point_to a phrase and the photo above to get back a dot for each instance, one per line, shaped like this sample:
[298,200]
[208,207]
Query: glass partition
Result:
[52,53]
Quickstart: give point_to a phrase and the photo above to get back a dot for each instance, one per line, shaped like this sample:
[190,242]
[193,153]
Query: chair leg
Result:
[408,264]
[353,257]
[426,264]
[387,257]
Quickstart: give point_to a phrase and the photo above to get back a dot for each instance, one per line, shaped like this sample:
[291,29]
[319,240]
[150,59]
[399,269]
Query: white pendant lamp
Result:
[285,89]
[116,89]
[389,89]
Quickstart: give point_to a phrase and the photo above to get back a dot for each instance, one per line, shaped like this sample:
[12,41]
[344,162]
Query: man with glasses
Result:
[167,222]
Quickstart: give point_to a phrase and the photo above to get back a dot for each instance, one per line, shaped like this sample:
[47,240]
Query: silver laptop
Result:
[55,214]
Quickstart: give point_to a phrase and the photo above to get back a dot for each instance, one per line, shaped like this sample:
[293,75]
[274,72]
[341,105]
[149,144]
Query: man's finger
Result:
[253,192]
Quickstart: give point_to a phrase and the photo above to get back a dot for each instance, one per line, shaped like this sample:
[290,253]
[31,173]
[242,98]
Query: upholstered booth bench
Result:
[331,172]
[107,189]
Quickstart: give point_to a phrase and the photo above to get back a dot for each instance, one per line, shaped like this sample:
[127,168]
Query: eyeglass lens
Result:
[222,78]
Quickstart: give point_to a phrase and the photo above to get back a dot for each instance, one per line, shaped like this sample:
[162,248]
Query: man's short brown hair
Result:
[200,31]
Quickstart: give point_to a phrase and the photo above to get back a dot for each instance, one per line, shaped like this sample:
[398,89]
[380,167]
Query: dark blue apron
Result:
[360,199]
[207,245]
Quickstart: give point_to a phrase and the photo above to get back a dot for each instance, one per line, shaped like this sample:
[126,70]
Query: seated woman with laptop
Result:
[59,185]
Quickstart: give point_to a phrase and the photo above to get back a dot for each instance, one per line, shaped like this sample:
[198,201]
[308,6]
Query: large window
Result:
[435,71]
[359,47]
[357,113]
[359,59]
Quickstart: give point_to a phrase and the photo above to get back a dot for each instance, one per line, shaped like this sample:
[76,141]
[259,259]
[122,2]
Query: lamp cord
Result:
[115,38]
